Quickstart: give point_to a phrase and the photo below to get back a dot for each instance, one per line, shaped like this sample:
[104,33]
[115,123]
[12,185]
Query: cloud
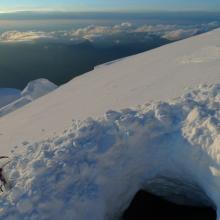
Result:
[123,26]
[91,33]
[115,33]
[17,36]
[159,28]
[213,24]
[180,34]
[101,30]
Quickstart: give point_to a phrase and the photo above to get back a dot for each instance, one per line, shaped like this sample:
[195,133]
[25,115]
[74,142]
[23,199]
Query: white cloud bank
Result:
[17,36]
[180,34]
[96,32]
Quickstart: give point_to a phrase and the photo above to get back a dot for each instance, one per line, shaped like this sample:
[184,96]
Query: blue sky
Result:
[109,5]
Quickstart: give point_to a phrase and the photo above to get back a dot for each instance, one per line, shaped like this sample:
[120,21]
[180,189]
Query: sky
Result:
[109,5]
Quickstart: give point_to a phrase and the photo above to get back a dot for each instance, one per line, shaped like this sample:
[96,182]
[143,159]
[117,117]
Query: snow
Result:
[158,74]
[38,88]
[8,95]
[69,161]
[32,91]
[93,169]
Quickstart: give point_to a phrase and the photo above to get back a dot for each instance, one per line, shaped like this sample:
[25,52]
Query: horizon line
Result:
[105,11]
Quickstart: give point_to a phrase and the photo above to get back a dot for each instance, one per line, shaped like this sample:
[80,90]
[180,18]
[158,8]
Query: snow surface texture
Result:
[8,95]
[160,74]
[93,169]
[32,91]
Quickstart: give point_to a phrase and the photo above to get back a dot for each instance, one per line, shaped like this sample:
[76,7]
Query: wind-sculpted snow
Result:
[92,170]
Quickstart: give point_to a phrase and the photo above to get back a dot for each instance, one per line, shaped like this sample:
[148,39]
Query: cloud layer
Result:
[17,36]
[114,33]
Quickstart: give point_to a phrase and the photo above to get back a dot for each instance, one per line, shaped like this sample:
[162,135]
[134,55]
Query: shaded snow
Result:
[94,168]
[32,91]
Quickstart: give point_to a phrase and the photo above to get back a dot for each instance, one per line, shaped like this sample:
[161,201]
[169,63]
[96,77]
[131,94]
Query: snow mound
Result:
[93,169]
[32,91]
[38,88]
[8,95]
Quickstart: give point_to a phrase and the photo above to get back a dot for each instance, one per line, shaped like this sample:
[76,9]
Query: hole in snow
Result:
[148,206]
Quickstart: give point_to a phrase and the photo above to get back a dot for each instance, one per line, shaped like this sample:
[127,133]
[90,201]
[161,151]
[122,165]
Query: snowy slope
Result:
[159,74]
[32,91]
[93,169]
[8,95]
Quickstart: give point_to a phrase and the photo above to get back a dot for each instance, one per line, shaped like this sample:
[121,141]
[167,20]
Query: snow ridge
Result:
[93,169]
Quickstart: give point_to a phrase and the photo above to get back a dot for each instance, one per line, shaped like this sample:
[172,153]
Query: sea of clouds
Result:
[114,33]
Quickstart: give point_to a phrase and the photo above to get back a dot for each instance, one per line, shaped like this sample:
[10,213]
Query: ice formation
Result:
[93,169]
